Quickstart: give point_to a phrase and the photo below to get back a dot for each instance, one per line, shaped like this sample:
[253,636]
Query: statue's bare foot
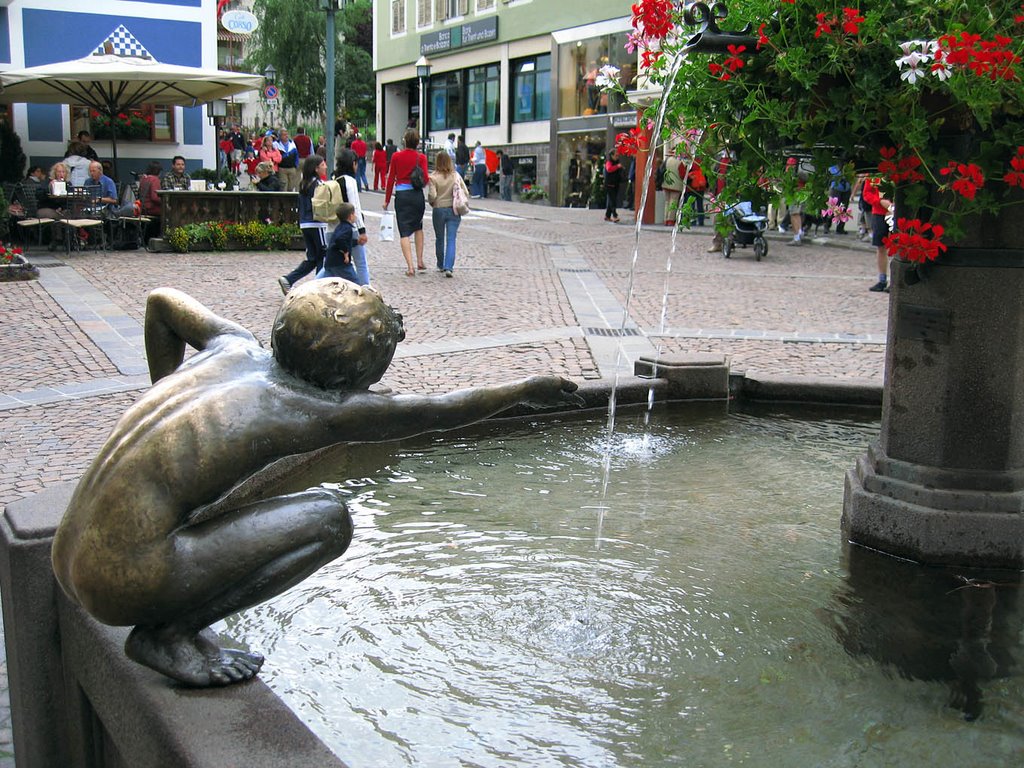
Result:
[195,660]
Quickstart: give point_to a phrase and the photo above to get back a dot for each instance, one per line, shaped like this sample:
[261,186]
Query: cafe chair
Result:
[30,219]
[82,223]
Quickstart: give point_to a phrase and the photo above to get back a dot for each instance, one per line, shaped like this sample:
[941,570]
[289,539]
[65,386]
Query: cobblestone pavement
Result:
[534,288]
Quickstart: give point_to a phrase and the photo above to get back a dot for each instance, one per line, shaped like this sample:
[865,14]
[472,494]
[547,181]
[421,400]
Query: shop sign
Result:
[239,22]
[624,120]
[462,36]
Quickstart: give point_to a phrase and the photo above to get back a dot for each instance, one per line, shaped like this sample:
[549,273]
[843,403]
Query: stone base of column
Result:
[931,516]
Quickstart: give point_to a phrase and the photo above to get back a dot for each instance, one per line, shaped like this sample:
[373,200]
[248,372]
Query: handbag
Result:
[387,227]
[460,204]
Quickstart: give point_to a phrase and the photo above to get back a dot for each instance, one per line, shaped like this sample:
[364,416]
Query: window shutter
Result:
[463,7]
[423,8]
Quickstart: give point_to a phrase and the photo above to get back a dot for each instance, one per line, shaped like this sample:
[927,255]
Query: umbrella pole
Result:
[113,145]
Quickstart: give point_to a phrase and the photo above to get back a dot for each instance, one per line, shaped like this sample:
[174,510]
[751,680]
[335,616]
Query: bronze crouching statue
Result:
[149,539]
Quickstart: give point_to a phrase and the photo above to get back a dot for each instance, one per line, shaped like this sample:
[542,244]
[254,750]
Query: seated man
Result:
[151,537]
[176,178]
[103,191]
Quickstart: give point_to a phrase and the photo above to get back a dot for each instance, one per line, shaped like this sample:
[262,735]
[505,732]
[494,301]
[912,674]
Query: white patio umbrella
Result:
[112,83]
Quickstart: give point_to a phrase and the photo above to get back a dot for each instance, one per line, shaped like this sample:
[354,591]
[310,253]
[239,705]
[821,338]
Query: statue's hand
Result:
[552,390]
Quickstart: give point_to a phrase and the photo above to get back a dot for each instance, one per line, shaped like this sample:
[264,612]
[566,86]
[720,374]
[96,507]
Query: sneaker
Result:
[448,273]
[795,241]
[285,285]
[880,286]
[887,289]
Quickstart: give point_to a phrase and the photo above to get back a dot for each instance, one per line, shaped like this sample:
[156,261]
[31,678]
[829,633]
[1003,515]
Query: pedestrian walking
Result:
[345,174]
[440,195]
[380,166]
[613,173]
[314,233]
[479,171]
[360,148]
[410,204]
[461,157]
[507,170]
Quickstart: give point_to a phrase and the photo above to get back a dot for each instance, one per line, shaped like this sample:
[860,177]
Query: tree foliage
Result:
[292,37]
[12,157]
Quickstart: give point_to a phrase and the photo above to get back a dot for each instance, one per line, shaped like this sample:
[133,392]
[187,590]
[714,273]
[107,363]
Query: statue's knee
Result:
[335,520]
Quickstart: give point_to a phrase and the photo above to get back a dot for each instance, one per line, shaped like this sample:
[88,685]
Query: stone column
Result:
[944,483]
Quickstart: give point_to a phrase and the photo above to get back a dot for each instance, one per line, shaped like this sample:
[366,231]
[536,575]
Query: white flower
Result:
[912,74]
[607,75]
[911,60]
[941,70]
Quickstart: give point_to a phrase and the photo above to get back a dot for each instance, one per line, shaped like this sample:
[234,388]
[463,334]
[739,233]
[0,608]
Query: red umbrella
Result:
[491,158]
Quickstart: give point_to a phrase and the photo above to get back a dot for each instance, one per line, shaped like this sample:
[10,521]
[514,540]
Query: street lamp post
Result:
[423,73]
[331,6]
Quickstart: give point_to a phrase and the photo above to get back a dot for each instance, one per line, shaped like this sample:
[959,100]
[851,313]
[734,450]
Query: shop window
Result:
[148,123]
[445,101]
[397,17]
[482,96]
[579,63]
[531,86]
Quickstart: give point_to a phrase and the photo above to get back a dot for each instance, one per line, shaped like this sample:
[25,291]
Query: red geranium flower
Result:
[1016,176]
[852,21]
[734,61]
[915,240]
[654,17]
[969,178]
[825,23]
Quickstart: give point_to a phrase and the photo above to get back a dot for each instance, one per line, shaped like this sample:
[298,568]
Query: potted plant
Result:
[928,96]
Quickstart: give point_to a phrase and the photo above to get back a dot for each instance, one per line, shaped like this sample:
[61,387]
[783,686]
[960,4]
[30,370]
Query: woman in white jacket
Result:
[345,174]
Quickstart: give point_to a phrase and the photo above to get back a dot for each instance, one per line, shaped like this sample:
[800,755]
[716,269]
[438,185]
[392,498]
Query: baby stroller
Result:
[748,229]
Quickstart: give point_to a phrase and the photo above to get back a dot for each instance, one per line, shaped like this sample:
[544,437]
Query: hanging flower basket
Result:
[130,126]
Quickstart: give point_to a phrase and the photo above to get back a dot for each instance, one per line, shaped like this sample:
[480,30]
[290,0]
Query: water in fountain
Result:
[474,623]
[648,170]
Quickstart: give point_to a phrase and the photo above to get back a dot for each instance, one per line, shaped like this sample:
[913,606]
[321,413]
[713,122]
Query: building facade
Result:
[517,75]
[184,32]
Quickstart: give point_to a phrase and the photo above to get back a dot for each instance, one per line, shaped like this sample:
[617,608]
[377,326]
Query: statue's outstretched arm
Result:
[174,319]
[376,418]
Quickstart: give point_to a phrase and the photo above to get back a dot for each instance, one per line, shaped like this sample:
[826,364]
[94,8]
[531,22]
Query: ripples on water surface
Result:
[479,619]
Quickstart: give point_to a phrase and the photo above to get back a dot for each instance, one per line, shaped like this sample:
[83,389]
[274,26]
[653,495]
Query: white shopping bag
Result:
[387,227]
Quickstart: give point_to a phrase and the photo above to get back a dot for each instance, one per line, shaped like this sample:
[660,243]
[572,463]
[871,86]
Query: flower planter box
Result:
[18,269]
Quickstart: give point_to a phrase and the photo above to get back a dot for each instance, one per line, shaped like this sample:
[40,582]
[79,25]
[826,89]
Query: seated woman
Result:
[268,181]
[53,199]
[149,201]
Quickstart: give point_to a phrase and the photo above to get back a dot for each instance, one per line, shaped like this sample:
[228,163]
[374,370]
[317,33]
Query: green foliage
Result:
[5,216]
[222,235]
[225,175]
[533,193]
[291,36]
[12,158]
[837,96]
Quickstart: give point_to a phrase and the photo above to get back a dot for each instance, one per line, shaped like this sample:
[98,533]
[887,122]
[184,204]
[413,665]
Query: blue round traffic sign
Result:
[270,92]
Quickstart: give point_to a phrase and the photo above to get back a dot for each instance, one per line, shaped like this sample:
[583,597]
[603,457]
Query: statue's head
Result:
[336,334]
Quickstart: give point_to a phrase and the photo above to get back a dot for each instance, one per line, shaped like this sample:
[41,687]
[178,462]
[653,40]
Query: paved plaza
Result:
[535,290]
